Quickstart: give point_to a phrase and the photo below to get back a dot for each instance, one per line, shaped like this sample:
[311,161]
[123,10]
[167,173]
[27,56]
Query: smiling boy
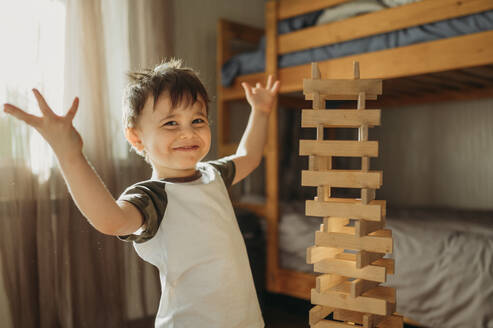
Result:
[181,220]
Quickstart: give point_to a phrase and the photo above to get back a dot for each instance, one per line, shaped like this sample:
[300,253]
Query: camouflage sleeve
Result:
[227,168]
[149,197]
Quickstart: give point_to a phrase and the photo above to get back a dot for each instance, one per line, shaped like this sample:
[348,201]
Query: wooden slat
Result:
[378,22]
[359,286]
[318,313]
[374,211]
[331,324]
[342,87]
[290,8]
[342,148]
[272,154]
[341,299]
[347,315]
[340,118]
[348,268]
[342,178]
[387,263]
[363,227]
[326,281]
[393,321]
[464,51]
[377,244]
[315,254]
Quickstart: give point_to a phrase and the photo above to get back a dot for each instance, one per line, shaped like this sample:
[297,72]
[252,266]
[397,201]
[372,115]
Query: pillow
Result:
[349,9]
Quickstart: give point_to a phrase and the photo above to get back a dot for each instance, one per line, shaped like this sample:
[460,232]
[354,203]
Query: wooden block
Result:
[340,298]
[374,211]
[316,253]
[367,195]
[370,243]
[335,224]
[381,292]
[326,281]
[315,71]
[361,101]
[387,263]
[348,268]
[340,118]
[325,97]
[393,321]
[371,87]
[363,227]
[359,286]
[341,148]
[356,70]
[346,315]
[342,178]
[332,324]
[318,313]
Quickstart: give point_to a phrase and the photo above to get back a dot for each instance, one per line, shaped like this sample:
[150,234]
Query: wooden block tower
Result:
[348,256]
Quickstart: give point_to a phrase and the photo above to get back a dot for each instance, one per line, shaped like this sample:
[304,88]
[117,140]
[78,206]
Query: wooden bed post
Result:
[272,151]
[349,286]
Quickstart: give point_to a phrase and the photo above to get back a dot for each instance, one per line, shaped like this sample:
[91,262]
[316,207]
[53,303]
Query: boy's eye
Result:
[170,123]
[198,120]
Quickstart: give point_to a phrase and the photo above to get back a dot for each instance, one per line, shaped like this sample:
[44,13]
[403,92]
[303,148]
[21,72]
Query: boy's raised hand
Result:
[57,130]
[261,98]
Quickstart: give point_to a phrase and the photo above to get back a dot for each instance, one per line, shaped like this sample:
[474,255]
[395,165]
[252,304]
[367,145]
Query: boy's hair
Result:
[180,83]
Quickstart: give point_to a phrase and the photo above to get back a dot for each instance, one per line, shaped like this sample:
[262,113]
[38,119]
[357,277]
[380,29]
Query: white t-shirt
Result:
[192,236]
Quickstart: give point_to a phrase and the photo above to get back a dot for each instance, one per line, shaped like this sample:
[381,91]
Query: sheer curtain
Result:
[57,270]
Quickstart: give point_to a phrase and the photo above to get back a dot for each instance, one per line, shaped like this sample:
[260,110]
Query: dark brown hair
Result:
[181,83]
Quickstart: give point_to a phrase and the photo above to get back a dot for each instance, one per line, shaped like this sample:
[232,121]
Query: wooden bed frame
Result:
[449,69]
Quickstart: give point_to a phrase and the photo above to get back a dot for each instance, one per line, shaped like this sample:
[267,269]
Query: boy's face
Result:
[175,139]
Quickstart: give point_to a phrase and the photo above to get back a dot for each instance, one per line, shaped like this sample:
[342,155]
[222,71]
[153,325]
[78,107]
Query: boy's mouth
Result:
[187,148]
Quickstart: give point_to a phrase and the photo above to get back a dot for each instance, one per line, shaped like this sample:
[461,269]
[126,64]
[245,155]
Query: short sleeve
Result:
[227,168]
[149,197]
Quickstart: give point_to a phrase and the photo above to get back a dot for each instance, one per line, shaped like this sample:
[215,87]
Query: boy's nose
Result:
[186,132]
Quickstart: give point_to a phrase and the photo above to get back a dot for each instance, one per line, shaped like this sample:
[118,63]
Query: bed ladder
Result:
[348,256]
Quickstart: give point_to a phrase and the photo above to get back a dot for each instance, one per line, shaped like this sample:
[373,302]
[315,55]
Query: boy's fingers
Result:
[275,87]
[247,89]
[269,82]
[18,113]
[258,85]
[73,109]
[45,109]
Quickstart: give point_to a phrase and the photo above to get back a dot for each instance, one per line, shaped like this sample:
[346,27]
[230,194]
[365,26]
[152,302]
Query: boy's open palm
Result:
[262,98]
[57,130]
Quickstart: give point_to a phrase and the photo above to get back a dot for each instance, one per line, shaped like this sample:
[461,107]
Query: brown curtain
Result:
[57,270]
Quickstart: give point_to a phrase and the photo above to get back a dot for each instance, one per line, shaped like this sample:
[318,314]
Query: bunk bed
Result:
[447,68]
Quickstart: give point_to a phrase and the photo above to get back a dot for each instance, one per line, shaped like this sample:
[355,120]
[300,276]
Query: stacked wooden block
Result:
[348,256]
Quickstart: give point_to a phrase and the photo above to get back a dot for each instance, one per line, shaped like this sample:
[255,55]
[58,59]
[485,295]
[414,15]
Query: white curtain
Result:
[56,269]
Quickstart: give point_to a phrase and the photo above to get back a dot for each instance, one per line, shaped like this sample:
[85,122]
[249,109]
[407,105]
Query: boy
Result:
[181,220]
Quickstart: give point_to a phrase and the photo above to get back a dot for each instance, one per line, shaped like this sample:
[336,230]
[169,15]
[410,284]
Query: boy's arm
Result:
[88,191]
[251,147]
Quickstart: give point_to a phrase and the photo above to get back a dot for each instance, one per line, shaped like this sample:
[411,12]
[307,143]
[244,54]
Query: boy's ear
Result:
[133,138]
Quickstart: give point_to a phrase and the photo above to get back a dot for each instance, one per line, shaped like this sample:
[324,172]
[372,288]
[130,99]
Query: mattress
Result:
[254,62]
[443,260]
